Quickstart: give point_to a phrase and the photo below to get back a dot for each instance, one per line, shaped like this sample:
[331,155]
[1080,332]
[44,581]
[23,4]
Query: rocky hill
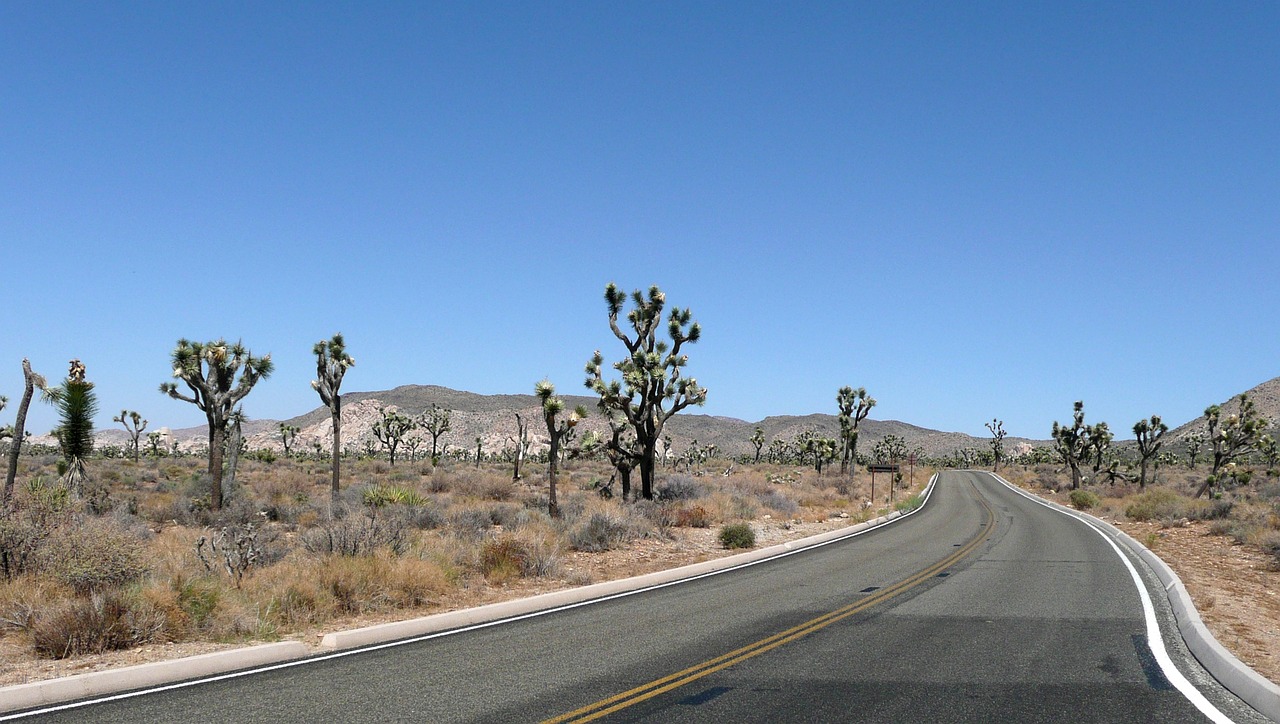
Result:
[1266,400]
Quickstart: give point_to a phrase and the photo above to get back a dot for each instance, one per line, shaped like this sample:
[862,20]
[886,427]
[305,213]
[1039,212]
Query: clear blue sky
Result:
[971,209]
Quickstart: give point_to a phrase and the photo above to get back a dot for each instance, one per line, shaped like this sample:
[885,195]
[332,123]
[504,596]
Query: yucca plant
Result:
[552,406]
[76,404]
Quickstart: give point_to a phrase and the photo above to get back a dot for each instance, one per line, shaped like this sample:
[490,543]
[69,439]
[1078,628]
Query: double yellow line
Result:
[710,666]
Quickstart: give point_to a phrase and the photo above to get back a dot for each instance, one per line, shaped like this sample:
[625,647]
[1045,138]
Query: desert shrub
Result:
[692,516]
[777,500]
[1208,509]
[679,487]
[509,515]
[198,598]
[422,517]
[104,621]
[504,558]
[379,496]
[741,507]
[20,540]
[497,488]
[1158,504]
[737,535]
[601,532]
[470,521]
[1084,499]
[92,556]
[358,535]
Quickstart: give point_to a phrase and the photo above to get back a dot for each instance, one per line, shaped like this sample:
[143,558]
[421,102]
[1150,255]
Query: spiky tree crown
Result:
[219,375]
[332,362]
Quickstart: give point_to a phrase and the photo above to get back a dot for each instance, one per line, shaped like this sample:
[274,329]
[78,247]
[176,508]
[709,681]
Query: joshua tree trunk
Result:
[646,470]
[234,441]
[19,428]
[552,507]
[217,435]
[336,414]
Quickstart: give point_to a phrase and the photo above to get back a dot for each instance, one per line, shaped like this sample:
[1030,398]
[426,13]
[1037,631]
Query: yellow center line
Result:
[693,673]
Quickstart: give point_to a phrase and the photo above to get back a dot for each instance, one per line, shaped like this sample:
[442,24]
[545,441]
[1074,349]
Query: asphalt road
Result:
[981,607]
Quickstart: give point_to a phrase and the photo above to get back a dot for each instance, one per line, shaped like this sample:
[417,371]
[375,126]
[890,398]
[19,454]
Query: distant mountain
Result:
[492,419]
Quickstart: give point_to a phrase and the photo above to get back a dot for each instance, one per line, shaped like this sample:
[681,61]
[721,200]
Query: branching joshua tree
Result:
[997,443]
[854,406]
[288,433]
[32,382]
[1194,443]
[236,445]
[1072,444]
[621,449]
[1100,437]
[133,425]
[219,376]
[1148,433]
[757,440]
[652,388]
[332,363]
[390,430]
[552,406]
[1235,437]
[436,422]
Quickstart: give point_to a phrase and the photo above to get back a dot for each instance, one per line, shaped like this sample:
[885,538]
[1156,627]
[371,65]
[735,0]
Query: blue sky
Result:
[974,210]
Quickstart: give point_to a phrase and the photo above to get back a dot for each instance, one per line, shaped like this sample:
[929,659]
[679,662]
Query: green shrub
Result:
[909,504]
[93,556]
[1158,504]
[737,535]
[1084,499]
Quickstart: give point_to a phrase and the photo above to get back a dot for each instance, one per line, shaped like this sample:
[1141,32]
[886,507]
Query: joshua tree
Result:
[479,449]
[1235,437]
[891,449]
[621,449]
[332,363]
[219,376]
[997,443]
[77,404]
[522,446]
[391,429]
[288,433]
[652,388]
[1148,433]
[757,439]
[1195,442]
[31,382]
[134,425]
[854,408]
[436,422]
[1100,437]
[556,430]
[153,444]
[1072,443]
[1270,451]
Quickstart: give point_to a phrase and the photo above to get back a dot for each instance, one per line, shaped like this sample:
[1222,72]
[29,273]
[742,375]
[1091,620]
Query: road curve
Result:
[984,606]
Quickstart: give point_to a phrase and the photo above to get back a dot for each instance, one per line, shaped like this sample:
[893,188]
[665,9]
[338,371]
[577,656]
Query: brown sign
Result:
[883,468]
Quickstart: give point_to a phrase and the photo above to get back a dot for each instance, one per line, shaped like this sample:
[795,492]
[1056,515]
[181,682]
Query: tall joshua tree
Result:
[219,376]
[31,382]
[652,388]
[997,443]
[1235,437]
[1072,443]
[854,406]
[552,406]
[332,362]
[522,446]
[77,404]
[757,440]
[1148,433]
[133,425]
[391,428]
[436,421]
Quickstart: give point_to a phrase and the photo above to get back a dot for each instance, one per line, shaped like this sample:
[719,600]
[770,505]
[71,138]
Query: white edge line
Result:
[928,492]
[1155,639]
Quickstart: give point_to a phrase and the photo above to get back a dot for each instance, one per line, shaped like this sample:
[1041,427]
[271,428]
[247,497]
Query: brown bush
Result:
[107,621]
[693,516]
[94,555]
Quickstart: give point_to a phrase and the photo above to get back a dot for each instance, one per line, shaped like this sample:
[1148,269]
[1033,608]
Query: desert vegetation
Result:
[152,561]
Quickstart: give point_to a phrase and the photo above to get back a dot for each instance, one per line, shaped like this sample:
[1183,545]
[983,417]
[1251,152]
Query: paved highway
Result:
[983,606]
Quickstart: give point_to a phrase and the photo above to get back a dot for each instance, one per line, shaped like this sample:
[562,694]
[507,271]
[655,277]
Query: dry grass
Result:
[408,537]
